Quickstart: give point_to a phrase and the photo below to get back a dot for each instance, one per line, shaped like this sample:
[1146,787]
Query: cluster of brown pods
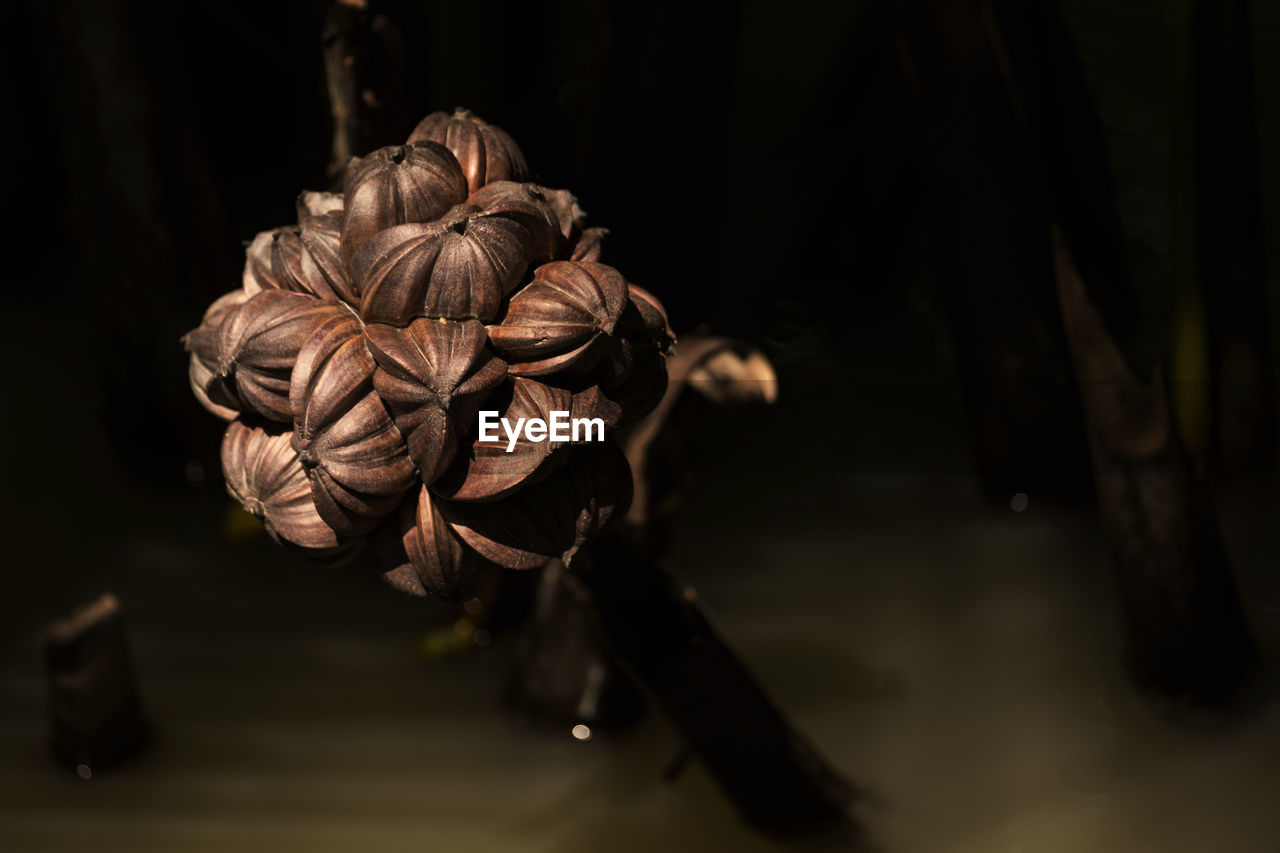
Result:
[354,361]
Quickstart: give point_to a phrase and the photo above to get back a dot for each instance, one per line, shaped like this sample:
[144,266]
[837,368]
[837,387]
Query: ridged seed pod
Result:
[645,317]
[301,259]
[344,436]
[395,185]
[436,562]
[202,343]
[633,375]
[263,473]
[530,205]
[258,344]
[551,518]
[486,152]
[556,323]
[321,268]
[433,376]
[457,268]
[259,261]
[490,470]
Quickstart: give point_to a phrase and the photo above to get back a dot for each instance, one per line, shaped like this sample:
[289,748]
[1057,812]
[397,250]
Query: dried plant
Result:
[353,362]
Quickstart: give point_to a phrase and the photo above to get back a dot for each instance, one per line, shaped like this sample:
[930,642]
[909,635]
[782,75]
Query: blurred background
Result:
[907,549]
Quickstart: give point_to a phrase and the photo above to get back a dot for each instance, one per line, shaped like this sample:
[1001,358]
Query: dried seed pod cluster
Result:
[354,360]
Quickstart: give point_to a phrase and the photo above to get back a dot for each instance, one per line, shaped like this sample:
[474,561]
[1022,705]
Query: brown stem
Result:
[364,67]
[658,629]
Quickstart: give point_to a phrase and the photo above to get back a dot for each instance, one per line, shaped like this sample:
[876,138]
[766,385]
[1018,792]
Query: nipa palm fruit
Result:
[365,341]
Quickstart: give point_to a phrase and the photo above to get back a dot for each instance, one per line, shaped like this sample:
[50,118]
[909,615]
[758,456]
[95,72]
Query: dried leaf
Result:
[433,376]
[735,375]
[555,323]
[697,362]
[485,152]
[311,203]
[397,185]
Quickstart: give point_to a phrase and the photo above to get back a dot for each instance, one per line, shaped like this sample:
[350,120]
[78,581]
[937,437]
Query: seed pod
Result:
[556,323]
[359,468]
[646,317]
[333,372]
[433,376]
[485,152]
[264,475]
[489,471]
[457,268]
[321,269]
[532,206]
[589,245]
[257,275]
[555,216]
[257,346]
[202,343]
[353,453]
[404,183]
[552,518]
[571,216]
[301,259]
[286,261]
[634,376]
[434,560]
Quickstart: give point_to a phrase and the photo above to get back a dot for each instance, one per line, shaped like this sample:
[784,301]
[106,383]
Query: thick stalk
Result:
[659,630]
[1184,627]
[1005,78]
[364,69]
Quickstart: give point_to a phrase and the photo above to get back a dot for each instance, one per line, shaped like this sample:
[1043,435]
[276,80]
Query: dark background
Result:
[764,172]
[767,171]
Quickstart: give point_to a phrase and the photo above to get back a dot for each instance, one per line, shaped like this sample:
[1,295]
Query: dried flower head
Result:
[365,340]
